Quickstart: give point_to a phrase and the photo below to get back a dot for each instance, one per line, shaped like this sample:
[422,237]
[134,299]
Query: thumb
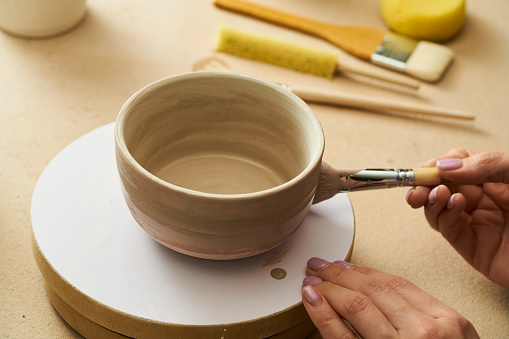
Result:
[477,169]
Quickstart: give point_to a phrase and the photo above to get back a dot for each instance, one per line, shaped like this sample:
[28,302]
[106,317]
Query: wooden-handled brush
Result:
[333,181]
[295,56]
[421,59]
[309,94]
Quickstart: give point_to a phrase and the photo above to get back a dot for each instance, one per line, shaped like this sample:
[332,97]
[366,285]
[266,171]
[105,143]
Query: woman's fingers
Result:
[445,213]
[355,307]
[325,318]
[476,169]
[370,295]
[438,199]
[324,301]
[449,219]
[417,197]
[421,300]
[464,166]
[458,153]
[376,304]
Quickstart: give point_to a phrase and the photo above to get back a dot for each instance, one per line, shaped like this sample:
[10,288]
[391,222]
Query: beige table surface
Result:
[53,91]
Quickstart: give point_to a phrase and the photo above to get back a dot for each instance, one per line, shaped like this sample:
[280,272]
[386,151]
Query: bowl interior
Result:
[221,133]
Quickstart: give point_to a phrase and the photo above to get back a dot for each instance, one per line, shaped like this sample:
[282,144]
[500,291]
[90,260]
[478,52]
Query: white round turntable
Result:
[107,277]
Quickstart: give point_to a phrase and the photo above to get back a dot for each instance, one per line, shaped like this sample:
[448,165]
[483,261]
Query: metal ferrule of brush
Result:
[394,52]
[369,179]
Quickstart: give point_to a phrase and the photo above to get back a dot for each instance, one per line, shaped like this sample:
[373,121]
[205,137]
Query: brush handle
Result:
[359,41]
[333,180]
[350,180]
[360,101]
[334,33]
[272,15]
[380,75]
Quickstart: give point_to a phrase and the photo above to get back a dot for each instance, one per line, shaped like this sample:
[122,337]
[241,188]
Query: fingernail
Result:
[311,295]
[450,203]
[432,197]
[317,264]
[344,264]
[311,280]
[409,193]
[449,164]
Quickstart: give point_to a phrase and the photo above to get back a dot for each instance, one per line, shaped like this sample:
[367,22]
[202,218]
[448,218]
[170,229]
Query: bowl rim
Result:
[122,147]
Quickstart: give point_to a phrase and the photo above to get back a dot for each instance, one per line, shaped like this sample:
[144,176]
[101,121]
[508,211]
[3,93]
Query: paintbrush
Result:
[421,59]
[308,94]
[333,181]
[321,62]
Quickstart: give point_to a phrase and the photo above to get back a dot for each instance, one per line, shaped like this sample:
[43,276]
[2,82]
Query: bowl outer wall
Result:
[215,226]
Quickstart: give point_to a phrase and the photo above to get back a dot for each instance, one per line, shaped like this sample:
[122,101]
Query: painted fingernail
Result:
[311,280]
[409,193]
[344,264]
[449,164]
[450,203]
[317,264]
[311,295]
[432,197]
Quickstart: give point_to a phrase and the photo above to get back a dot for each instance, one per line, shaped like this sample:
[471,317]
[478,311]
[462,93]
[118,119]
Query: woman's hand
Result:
[473,214]
[376,304]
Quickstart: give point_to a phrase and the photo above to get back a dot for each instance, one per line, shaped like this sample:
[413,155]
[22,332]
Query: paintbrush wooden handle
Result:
[371,178]
[333,180]
[428,176]
[320,29]
[360,101]
[348,180]
[359,41]
[380,75]
[273,15]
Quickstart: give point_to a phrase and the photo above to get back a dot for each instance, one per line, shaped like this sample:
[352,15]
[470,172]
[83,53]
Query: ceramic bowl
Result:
[218,165]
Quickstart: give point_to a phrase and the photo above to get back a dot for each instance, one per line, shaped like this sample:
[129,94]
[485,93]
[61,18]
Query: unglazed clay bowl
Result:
[218,165]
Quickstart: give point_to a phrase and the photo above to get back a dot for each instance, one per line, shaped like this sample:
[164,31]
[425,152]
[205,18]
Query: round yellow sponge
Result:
[434,20]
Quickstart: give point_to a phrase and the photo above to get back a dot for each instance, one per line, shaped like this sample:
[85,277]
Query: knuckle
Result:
[399,284]
[356,303]
[324,319]
[459,323]
[373,288]
[488,158]
[336,275]
[491,162]
[328,322]
[428,330]
[348,335]
[452,325]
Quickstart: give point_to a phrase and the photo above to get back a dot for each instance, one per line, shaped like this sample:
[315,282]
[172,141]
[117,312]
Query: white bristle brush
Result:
[421,59]
[322,62]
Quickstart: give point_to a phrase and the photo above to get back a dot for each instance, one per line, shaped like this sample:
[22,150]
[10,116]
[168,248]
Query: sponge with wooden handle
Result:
[277,52]
[295,56]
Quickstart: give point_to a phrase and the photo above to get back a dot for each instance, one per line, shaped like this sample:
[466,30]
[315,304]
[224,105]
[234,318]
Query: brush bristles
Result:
[428,61]
[421,59]
[277,52]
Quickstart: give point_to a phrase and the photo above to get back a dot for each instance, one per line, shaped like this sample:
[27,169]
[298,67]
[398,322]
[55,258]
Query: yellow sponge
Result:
[277,52]
[433,20]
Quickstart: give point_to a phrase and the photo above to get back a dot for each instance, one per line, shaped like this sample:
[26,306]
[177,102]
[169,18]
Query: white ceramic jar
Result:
[40,18]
